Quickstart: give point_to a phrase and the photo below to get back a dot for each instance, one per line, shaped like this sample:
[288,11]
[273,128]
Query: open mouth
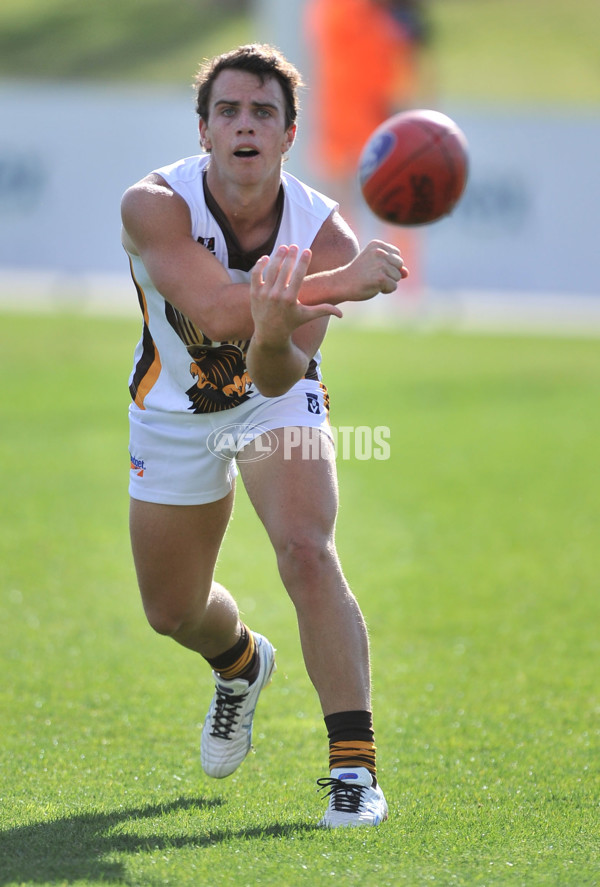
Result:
[246,152]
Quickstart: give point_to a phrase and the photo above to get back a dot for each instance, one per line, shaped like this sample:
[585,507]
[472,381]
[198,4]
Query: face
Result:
[246,132]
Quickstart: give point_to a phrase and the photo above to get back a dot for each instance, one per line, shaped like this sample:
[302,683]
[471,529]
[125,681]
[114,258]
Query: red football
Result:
[414,168]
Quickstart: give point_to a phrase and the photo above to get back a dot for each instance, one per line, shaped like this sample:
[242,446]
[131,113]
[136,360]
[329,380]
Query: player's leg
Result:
[296,499]
[175,551]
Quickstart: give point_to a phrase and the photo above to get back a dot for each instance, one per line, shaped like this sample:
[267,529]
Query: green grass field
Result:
[473,550]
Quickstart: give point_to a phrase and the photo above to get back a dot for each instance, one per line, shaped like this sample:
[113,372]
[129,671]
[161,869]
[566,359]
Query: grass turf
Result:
[473,551]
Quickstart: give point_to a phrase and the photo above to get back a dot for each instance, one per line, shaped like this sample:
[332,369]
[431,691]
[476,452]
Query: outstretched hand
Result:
[378,268]
[274,286]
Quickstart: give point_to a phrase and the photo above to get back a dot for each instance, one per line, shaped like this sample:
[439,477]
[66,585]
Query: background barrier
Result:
[528,222]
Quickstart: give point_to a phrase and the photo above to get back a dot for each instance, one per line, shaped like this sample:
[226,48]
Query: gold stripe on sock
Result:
[352,754]
[242,663]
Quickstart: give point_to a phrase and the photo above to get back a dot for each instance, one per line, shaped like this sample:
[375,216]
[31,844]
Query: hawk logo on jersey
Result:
[222,380]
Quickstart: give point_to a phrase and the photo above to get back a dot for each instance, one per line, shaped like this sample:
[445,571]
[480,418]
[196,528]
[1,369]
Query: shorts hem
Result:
[170,498]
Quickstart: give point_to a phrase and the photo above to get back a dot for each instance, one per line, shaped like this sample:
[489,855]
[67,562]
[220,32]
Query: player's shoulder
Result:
[151,204]
[188,169]
[145,200]
[163,181]
[149,186]
[334,243]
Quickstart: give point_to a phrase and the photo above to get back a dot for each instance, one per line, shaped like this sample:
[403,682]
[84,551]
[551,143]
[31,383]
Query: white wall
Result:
[529,220]
[530,216]
[67,153]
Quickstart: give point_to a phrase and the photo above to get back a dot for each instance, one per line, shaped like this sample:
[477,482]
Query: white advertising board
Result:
[528,222]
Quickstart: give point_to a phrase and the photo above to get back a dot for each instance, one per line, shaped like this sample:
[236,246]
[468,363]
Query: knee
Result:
[165,621]
[303,561]
[171,620]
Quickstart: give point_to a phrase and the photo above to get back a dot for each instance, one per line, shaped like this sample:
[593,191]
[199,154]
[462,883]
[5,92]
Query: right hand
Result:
[274,286]
[377,269]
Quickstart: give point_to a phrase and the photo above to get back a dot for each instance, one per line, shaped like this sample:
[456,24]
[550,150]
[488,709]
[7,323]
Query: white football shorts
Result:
[190,458]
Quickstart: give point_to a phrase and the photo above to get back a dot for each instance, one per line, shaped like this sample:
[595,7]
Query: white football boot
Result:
[353,799]
[227,731]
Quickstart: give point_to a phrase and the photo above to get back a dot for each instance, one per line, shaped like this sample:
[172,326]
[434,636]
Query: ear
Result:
[289,138]
[204,138]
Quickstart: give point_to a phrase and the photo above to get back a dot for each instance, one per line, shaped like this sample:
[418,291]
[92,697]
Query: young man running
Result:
[238,267]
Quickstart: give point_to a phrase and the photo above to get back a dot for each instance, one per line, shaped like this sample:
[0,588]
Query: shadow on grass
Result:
[76,848]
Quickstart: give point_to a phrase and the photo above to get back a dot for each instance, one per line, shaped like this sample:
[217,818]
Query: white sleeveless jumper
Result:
[176,367]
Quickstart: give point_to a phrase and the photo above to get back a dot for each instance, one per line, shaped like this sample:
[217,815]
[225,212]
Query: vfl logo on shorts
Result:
[313,403]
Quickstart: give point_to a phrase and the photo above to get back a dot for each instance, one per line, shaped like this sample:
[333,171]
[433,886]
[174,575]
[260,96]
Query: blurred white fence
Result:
[528,222]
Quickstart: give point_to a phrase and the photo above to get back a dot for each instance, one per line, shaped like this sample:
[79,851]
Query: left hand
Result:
[274,286]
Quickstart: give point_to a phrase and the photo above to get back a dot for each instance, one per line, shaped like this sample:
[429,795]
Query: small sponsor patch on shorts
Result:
[137,465]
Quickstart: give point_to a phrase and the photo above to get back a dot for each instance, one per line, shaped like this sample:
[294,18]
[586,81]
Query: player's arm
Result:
[340,272]
[343,273]
[334,247]
[279,356]
[286,332]
[156,226]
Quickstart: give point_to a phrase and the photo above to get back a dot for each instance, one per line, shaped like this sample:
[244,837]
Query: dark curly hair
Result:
[256,58]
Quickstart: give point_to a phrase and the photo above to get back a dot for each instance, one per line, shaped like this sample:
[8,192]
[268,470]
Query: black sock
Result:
[240,661]
[352,741]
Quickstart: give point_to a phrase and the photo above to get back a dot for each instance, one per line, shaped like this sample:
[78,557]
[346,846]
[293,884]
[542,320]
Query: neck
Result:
[251,210]
[242,198]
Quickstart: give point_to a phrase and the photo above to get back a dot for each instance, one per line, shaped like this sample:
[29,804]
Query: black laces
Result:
[226,712]
[346,798]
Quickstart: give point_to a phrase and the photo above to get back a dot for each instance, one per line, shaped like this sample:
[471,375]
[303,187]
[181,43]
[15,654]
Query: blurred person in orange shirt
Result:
[369,60]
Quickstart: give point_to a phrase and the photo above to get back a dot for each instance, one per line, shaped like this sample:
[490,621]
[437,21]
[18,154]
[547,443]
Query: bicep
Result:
[334,246]
[157,226]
